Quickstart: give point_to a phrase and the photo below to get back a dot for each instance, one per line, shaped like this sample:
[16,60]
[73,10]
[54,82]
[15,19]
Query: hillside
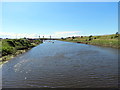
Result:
[103,40]
[13,47]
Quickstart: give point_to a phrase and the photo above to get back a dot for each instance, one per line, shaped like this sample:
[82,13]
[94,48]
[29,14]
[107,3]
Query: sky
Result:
[58,19]
[60,0]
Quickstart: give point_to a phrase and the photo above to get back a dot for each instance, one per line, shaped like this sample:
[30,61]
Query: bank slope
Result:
[103,40]
[13,47]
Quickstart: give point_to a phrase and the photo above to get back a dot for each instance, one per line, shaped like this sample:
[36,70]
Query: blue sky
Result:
[58,19]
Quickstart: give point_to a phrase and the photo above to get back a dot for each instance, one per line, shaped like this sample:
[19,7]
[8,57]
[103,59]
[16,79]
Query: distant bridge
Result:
[43,39]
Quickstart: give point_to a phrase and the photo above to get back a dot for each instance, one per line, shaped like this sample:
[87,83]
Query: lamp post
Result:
[43,37]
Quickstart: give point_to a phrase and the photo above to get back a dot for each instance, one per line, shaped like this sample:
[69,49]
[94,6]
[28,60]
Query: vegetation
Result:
[10,46]
[104,40]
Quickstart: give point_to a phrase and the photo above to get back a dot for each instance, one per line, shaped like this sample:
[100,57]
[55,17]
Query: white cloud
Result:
[15,35]
[66,33]
[34,35]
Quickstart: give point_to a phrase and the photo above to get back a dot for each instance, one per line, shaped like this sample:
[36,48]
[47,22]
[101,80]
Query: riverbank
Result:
[103,40]
[13,47]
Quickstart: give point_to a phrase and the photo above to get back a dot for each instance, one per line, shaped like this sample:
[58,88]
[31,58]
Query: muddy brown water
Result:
[62,65]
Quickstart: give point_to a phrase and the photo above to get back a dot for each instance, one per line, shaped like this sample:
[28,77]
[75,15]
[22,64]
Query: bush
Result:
[8,50]
[116,37]
[11,43]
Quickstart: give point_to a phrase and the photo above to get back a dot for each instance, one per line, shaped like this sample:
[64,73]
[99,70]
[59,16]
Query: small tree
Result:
[117,33]
[81,36]
[24,37]
[95,38]
[90,37]
[62,38]
[73,37]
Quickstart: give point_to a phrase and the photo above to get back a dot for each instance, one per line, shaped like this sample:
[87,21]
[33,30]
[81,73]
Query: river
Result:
[62,65]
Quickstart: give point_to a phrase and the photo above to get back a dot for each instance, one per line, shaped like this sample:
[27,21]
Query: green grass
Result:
[103,40]
[10,46]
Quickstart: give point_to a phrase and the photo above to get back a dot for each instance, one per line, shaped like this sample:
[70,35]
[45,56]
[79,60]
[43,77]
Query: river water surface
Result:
[62,65]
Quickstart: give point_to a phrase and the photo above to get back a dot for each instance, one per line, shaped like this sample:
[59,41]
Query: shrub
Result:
[11,43]
[73,37]
[8,50]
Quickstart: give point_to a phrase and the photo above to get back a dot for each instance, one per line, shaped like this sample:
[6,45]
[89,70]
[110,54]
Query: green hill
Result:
[10,46]
[102,40]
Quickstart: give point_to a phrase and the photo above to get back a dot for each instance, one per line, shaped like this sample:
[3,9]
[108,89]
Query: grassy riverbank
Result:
[103,40]
[13,47]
